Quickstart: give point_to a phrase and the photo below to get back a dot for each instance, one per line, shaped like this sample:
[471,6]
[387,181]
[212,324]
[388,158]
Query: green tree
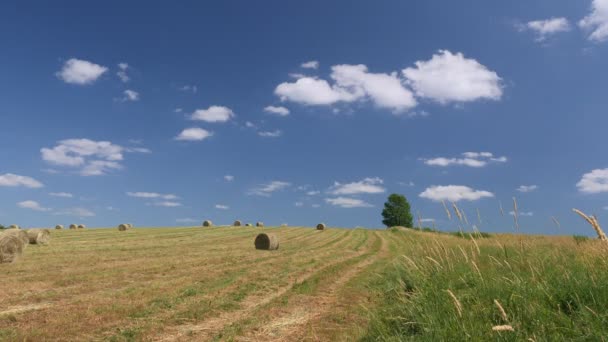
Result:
[397,212]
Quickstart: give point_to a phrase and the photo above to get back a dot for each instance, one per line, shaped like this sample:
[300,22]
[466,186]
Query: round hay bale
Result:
[81,226]
[21,234]
[38,236]
[130,225]
[248,225]
[14,226]
[123,226]
[11,248]
[73,226]
[237,223]
[284,225]
[207,223]
[267,242]
[58,226]
[259,224]
[321,226]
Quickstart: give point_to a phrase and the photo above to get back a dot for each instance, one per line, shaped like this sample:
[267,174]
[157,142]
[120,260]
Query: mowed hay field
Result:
[190,284]
[206,284]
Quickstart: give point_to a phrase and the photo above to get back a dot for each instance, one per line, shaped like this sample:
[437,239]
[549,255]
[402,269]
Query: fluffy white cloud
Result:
[33,205]
[470,159]
[130,95]
[312,91]
[189,88]
[347,202]
[142,194]
[169,204]
[78,71]
[228,178]
[454,193]
[313,193]
[594,182]
[93,157]
[546,28]
[194,134]
[270,134]
[527,188]
[310,65]
[280,111]
[122,73]
[365,186]
[61,194]
[597,21]
[213,114]
[222,207]
[385,90]
[448,77]
[268,188]
[10,179]
[76,212]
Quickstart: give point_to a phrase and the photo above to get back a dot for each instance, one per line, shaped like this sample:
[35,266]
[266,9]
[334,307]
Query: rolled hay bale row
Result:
[237,223]
[81,226]
[321,226]
[14,226]
[248,225]
[207,223]
[269,242]
[11,247]
[73,226]
[38,236]
[259,224]
[124,226]
[58,227]
[21,234]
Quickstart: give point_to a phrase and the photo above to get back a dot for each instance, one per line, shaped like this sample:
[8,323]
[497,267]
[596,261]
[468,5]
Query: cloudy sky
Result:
[164,114]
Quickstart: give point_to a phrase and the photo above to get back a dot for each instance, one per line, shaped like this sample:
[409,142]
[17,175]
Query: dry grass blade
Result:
[503,313]
[594,223]
[502,328]
[447,211]
[457,303]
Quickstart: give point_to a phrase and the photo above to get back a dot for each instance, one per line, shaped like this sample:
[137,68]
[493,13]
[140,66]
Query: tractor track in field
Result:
[208,328]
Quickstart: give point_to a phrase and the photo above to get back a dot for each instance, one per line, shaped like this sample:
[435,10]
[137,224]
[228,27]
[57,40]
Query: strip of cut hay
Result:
[268,242]
[124,226]
[38,236]
[14,226]
[321,226]
[73,226]
[11,248]
[58,227]
[207,223]
[21,234]
[81,226]
[237,223]
[248,225]
[259,224]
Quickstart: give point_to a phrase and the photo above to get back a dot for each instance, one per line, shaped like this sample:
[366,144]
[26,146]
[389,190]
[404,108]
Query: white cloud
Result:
[365,186]
[76,212]
[270,134]
[410,183]
[93,157]
[194,134]
[228,178]
[280,111]
[385,90]
[347,202]
[185,220]
[122,73]
[521,213]
[546,28]
[33,205]
[310,65]
[454,193]
[597,21]
[10,179]
[527,188]
[594,182]
[316,205]
[130,95]
[138,149]
[189,88]
[142,194]
[78,71]
[426,220]
[213,114]
[61,194]
[250,124]
[448,77]
[268,188]
[222,207]
[470,159]
[313,193]
[169,204]
[312,91]
[299,204]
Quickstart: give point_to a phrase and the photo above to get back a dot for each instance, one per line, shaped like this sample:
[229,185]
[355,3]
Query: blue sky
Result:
[163,114]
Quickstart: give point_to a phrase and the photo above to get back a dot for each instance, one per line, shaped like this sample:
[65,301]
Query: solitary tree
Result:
[397,211]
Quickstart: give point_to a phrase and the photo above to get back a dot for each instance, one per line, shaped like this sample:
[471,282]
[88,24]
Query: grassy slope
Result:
[211,284]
